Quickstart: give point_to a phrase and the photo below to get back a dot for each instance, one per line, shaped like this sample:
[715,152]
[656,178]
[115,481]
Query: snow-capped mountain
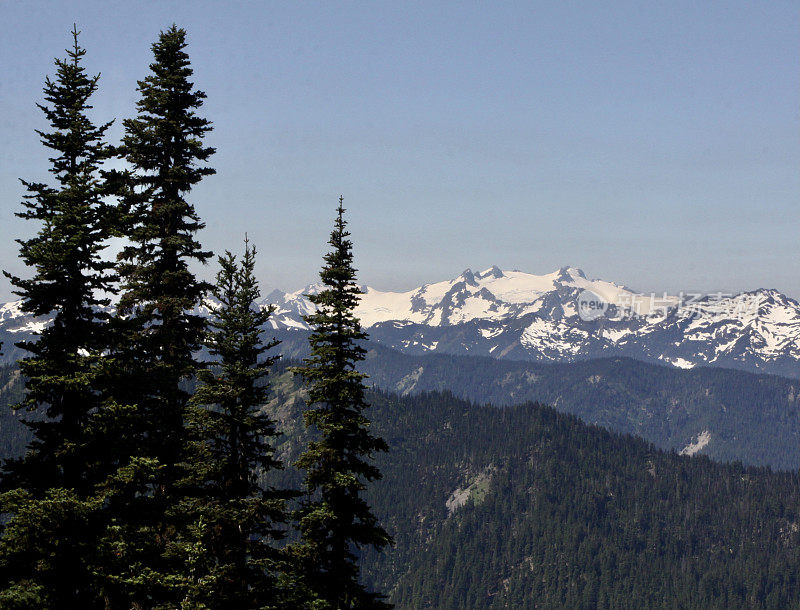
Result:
[561,316]
[488,295]
[516,315]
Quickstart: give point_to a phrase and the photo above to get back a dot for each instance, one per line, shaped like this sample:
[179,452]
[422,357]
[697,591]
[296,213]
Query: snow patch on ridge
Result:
[681,363]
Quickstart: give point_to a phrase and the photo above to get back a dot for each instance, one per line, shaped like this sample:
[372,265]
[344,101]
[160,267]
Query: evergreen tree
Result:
[151,498]
[335,521]
[242,516]
[163,145]
[48,544]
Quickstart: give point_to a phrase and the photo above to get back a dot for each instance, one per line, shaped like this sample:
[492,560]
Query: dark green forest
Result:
[556,513]
[133,476]
[754,419]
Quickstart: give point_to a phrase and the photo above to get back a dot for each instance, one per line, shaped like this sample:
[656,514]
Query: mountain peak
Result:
[566,274]
[521,315]
[493,271]
[274,296]
[468,276]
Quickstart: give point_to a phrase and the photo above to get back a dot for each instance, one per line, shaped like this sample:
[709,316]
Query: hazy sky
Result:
[651,144]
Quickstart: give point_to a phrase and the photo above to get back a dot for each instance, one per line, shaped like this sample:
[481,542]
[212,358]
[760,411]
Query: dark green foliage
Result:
[752,418]
[68,273]
[164,147]
[559,514]
[575,516]
[49,545]
[242,517]
[14,435]
[335,519]
[549,478]
[135,495]
[153,530]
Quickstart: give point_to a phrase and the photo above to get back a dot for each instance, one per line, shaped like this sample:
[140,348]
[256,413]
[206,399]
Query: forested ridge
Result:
[524,506]
[753,418]
[558,513]
[750,417]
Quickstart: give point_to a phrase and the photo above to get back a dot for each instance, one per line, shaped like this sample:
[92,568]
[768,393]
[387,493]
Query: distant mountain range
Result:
[559,317]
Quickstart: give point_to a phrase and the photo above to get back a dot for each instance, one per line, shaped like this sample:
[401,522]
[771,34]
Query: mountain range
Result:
[558,317]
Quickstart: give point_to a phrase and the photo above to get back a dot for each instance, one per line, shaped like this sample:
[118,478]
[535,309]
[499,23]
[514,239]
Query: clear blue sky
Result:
[656,144]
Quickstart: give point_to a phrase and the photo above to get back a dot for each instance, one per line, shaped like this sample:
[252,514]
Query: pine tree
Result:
[163,144]
[335,520]
[48,546]
[242,516]
[151,498]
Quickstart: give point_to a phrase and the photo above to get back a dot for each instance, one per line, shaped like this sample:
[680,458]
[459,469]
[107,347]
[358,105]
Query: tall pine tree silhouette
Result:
[335,520]
[150,556]
[242,516]
[47,551]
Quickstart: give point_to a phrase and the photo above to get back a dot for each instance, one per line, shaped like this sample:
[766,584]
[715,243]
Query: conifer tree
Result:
[151,498]
[242,516]
[163,145]
[335,520]
[48,544]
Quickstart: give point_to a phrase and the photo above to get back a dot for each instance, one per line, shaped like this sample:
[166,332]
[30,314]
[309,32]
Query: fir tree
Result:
[335,520]
[242,517]
[163,145]
[49,543]
[151,498]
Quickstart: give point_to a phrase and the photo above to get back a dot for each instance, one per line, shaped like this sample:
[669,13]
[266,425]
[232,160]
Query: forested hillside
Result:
[510,507]
[173,437]
[751,418]
[527,507]
[747,417]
